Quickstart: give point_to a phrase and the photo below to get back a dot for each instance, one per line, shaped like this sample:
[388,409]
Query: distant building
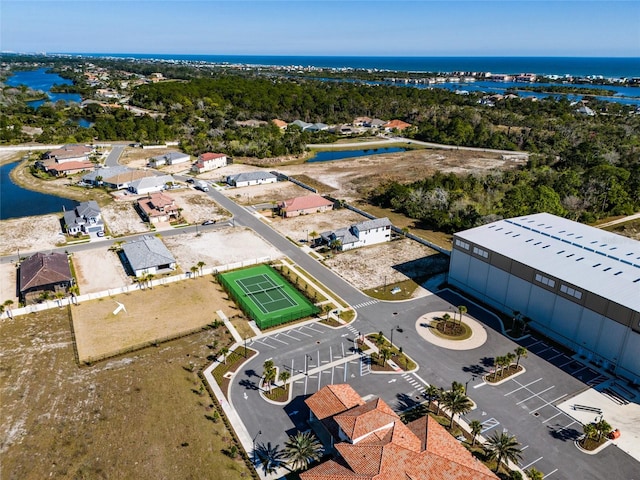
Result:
[158,207]
[578,285]
[85,218]
[44,272]
[209,161]
[69,153]
[304,205]
[169,158]
[303,125]
[584,110]
[53,167]
[369,441]
[281,124]
[153,184]
[251,178]
[148,255]
[396,125]
[369,232]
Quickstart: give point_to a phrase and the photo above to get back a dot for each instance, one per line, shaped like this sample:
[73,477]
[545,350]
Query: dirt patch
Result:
[121,219]
[30,234]
[219,247]
[268,193]
[153,314]
[299,228]
[386,263]
[140,416]
[8,282]
[98,270]
[198,206]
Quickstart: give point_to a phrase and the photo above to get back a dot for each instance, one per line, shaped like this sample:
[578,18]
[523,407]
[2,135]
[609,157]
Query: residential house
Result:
[396,125]
[251,178]
[118,177]
[53,167]
[169,158]
[317,127]
[157,207]
[303,125]
[304,205]
[44,272]
[375,123]
[281,124]
[148,255]
[584,110]
[361,121]
[86,218]
[153,184]
[69,153]
[371,442]
[369,232]
[209,161]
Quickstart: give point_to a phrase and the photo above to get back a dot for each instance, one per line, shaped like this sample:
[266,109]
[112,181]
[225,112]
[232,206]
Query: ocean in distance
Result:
[616,67]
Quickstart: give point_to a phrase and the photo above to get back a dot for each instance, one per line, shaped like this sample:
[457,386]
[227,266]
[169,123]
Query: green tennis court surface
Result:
[265,296]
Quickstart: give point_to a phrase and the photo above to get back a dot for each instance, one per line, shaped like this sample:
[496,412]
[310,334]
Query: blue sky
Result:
[324,27]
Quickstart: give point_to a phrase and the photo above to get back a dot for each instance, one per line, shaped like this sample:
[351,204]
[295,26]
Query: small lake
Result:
[42,80]
[16,201]
[329,155]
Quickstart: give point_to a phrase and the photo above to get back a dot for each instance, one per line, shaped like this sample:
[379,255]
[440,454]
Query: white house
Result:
[153,184]
[209,161]
[579,285]
[169,158]
[251,178]
[369,232]
[85,218]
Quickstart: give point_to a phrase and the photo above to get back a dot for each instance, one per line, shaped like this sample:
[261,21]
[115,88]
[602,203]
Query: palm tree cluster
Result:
[455,325]
[502,446]
[300,451]
[505,361]
[595,431]
[268,374]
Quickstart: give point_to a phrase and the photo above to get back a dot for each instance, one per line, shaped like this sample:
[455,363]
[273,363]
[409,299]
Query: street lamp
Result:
[472,379]
[254,445]
[394,328]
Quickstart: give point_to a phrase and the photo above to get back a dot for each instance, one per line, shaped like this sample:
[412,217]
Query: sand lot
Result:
[219,247]
[30,234]
[8,282]
[297,228]
[98,270]
[162,312]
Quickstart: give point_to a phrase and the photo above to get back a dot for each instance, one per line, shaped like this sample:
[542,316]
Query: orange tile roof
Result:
[333,399]
[210,156]
[279,123]
[420,450]
[398,124]
[305,203]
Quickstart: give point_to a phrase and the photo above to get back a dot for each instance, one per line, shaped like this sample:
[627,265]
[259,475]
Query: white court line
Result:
[551,418]
[527,466]
[550,473]
[537,395]
[550,404]
[521,386]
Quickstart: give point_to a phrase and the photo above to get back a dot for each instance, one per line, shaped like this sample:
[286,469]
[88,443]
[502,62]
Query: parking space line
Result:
[313,329]
[565,364]
[550,473]
[536,395]
[549,404]
[556,356]
[543,350]
[566,426]
[287,335]
[527,466]
[275,337]
[265,344]
[551,418]
[534,343]
[302,333]
[578,371]
[521,386]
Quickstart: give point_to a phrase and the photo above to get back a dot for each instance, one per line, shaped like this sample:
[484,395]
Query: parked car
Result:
[100,234]
[208,222]
[190,180]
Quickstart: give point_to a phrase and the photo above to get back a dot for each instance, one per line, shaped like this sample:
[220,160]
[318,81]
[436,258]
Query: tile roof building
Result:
[69,153]
[396,124]
[372,443]
[157,207]
[209,161]
[118,177]
[44,272]
[304,205]
[369,232]
[148,255]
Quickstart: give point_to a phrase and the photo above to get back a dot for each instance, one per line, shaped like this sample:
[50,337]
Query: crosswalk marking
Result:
[365,304]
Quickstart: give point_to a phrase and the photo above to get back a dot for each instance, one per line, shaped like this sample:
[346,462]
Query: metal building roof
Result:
[590,258]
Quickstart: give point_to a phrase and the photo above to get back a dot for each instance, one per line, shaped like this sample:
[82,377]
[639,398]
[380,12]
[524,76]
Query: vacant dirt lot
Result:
[98,270]
[298,228]
[157,313]
[121,219]
[140,416]
[8,283]
[219,247]
[30,234]
[395,261]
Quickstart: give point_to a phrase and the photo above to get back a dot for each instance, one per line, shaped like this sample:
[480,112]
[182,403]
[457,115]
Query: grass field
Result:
[139,416]
[165,311]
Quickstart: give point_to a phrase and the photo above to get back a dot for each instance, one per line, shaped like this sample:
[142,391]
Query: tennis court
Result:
[265,296]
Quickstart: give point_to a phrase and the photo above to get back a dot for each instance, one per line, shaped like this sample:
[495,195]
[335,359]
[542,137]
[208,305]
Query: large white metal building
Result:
[578,284]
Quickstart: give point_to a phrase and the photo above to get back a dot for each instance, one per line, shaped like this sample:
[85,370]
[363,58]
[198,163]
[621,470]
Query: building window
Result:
[462,244]
[545,281]
[571,291]
[480,252]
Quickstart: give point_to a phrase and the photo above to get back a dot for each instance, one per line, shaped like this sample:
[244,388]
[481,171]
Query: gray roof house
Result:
[369,232]
[303,125]
[85,218]
[169,158]
[251,178]
[150,184]
[117,177]
[148,255]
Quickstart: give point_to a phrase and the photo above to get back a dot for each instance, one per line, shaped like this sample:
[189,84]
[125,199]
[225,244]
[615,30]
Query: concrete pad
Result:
[478,333]
[626,418]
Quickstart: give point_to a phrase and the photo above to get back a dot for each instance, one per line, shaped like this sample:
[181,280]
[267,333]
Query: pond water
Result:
[329,155]
[42,80]
[16,201]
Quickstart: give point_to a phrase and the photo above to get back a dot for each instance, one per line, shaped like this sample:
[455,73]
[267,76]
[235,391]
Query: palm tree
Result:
[520,352]
[509,358]
[224,351]
[313,234]
[462,310]
[269,373]
[432,392]
[476,429]
[335,245]
[194,269]
[603,428]
[497,363]
[457,386]
[270,457]
[379,339]
[534,474]
[446,317]
[302,449]
[503,446]
[284,376]
[384,354]
[589,431]
[457,403]
[200,265]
